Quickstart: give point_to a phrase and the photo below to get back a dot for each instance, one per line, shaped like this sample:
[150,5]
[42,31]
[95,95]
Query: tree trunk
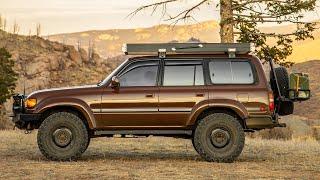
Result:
[226,22]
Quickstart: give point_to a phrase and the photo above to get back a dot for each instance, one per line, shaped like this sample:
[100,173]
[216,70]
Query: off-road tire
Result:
[89,140]
[78,143]
[194,146]
[283,81]
[207,150]
[285,107]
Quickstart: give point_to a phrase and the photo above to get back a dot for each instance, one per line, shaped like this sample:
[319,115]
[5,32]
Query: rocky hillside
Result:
[108,42]
[44,64]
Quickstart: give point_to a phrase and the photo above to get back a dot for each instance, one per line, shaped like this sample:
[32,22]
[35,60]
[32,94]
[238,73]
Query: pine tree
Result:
[240,20]
[7,76]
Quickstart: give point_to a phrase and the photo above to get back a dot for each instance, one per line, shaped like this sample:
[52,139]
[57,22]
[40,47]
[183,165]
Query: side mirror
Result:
[115,84]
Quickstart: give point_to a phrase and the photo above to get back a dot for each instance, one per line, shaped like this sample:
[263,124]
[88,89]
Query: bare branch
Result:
[154,6]
[182,16]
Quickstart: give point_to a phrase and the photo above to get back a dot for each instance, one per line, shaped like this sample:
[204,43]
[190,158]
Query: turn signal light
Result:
[271,102]
[31,103]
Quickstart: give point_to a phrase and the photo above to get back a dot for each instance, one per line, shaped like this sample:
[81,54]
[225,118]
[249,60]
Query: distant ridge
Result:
[109,42]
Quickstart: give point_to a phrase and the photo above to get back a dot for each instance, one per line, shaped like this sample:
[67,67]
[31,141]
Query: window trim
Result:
[254,71]
[123,70]
[193,62]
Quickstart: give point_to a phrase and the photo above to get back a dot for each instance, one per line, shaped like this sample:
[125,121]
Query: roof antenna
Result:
[24,88]
[24,77]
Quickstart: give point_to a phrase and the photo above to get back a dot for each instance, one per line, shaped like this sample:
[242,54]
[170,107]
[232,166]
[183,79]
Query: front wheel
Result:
[63,136]
[219,137]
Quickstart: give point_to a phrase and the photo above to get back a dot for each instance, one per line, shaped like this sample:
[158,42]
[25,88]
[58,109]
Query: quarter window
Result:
[183,74]
[139,74]
[231,72]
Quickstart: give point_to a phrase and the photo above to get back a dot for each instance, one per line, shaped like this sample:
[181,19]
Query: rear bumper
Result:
[263,122]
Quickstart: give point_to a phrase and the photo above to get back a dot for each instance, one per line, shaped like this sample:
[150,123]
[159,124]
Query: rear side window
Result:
[183,73]
[231,72]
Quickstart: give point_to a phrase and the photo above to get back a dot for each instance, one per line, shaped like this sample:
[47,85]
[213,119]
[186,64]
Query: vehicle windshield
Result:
[113,73]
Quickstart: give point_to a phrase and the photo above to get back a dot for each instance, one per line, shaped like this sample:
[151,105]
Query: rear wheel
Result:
[219,137]
[62,136]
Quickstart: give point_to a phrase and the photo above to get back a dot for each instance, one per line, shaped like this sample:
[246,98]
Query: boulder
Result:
[84,55]
[39,64]
[57,46]
[74,55]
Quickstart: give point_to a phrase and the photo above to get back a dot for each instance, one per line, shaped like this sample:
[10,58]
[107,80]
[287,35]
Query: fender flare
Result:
[233,105]
[78,104]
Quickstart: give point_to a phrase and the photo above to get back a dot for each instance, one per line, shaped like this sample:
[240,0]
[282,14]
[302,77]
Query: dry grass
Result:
[158,158]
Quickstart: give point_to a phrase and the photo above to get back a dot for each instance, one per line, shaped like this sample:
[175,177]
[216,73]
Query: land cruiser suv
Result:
[210,93]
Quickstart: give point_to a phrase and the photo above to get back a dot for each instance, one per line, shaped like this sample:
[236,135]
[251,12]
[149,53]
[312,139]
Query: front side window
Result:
[231,72]
[183,74]
[140,74]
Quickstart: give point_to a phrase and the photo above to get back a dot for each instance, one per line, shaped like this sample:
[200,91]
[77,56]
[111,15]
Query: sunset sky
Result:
[60,16]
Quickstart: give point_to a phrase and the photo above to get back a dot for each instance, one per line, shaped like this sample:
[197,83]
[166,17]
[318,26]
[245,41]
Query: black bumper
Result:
[20,118]
[263,122]
[25,121]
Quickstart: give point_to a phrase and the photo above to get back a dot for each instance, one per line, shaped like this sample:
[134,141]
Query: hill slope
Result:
[109,42]
[44,64]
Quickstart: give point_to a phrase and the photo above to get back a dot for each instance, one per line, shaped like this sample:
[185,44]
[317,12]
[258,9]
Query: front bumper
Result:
[25,121]
[20,117]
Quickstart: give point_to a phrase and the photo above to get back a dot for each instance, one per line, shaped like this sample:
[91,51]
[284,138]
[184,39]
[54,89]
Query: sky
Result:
[65,16]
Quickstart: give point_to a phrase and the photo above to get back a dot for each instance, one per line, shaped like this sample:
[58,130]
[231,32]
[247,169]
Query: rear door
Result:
[237,79]
[182,87]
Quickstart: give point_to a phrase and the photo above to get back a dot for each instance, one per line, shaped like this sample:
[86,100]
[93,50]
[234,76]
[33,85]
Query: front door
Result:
[182,89]
[134,103]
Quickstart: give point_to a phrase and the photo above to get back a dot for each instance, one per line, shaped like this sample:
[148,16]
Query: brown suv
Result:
[210,93]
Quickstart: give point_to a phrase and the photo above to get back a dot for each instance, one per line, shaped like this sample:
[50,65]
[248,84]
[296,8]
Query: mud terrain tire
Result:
[62,136]
[207,132]
[285,107]
[283,81]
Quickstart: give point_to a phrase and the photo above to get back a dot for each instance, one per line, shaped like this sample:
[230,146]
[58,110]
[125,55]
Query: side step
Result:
[143,132]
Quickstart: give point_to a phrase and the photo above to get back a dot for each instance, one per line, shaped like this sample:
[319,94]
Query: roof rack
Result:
[163,49]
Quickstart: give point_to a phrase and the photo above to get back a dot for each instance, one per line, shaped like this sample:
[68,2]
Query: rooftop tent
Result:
[163,49]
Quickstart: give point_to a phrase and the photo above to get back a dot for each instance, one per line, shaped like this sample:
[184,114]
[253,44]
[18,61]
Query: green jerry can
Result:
[299,89]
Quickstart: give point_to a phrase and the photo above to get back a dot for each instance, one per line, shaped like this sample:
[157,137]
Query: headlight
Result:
[31,103]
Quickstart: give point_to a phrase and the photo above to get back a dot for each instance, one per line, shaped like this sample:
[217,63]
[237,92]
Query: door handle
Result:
[199,95]
[149,95]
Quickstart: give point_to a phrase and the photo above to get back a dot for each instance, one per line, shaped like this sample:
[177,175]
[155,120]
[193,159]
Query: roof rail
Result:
[163,49]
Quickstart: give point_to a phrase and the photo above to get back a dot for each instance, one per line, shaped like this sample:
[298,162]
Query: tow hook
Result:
[28,129]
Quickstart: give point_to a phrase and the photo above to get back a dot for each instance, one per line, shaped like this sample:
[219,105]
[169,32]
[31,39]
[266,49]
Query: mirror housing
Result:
[115,84]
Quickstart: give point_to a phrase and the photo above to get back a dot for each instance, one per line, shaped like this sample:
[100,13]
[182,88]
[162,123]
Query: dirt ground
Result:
[158,158]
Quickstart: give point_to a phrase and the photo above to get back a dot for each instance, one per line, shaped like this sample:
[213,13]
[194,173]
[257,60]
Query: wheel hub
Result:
[220,138]
[62,137]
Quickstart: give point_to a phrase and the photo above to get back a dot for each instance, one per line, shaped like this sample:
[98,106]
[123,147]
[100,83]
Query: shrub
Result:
[4,119]
[7,76]
[316,133]
[275,133]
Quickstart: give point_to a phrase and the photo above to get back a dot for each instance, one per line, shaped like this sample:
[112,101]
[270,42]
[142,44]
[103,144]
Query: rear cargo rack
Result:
[163,49]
